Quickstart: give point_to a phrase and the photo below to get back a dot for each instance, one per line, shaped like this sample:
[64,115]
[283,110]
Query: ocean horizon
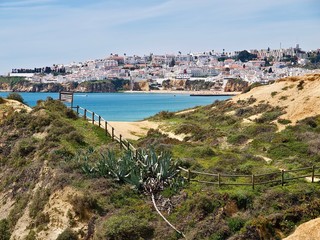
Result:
[127,107]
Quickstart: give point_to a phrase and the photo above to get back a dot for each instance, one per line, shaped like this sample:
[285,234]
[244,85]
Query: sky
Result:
[39,33]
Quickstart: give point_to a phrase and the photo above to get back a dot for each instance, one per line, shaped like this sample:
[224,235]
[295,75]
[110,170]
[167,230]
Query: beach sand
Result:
[206,92]
[134,130]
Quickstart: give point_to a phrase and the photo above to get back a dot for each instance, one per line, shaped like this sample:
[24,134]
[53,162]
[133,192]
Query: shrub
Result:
[15,96]
[247,89]
[68,234]
[284,121]
[283,98]
[270,116]
[39,200]
[127,227]
[31,235]
[76,137]
[24,147]
[4,230]
[237,139]
[235,224]
[164,115]
[273,94]
[2,100]
[203,151]
[300,85]
[83,205]
[202,205]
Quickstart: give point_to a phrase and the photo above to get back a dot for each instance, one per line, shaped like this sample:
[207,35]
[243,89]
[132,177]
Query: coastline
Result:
[204,92]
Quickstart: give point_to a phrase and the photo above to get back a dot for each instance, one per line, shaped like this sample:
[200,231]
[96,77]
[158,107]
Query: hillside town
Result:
[211,66]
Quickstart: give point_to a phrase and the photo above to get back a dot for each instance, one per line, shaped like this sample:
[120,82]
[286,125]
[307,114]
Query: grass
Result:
[219,142]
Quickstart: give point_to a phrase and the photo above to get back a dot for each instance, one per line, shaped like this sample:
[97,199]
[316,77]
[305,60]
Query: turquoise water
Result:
[127,106]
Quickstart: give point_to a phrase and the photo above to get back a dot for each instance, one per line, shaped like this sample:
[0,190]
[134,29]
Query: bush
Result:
[203,151]
[202,205]
[125,227]
[270,116]
[235,224]
[39,201]
[237,139]
[273,94]
[300,85]
[284,121]
[15,96]
[164,115]
[4,230]
[84,205]
[68,234]
[2,100]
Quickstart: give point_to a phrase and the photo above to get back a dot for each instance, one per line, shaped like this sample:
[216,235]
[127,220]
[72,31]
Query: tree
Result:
[172,63]
[245,56]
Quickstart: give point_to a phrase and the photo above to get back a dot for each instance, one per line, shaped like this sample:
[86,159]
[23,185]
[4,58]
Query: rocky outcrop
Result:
[141,86]
[92,86]
[176,84]
[235,85]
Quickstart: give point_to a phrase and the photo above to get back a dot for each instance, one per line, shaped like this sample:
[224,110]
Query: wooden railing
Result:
[96,119]
[280,177]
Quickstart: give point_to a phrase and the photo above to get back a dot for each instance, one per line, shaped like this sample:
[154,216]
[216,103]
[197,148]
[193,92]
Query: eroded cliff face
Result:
[235,85]
[94,86]
[141,86]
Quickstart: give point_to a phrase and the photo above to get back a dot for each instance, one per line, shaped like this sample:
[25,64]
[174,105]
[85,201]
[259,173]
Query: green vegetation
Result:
[68,234]
[4,230]
[12,81]
[15,96]
[125,227]
[114,186]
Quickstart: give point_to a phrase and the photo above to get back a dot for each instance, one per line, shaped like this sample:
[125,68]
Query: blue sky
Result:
[36,33]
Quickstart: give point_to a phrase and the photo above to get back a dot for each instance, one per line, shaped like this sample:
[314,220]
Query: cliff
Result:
[235,85]
[90,86]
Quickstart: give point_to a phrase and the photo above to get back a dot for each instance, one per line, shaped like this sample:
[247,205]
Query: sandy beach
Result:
[207,92]
[136,130]
[133,130]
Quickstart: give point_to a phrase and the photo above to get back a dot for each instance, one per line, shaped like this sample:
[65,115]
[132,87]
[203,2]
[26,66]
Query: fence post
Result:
[78,110]
[312,177]
[120,141]
[252,180]
[219,180]
[99,121]
[136,153]
[189,175]
[85,114]
[93,118]
[282,177]
[105,127]
[112,134]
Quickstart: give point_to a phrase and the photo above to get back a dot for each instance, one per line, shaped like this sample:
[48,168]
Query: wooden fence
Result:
[280,177]
[96,119]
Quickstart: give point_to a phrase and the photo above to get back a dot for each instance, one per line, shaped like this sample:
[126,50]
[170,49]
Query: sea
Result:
[127,107]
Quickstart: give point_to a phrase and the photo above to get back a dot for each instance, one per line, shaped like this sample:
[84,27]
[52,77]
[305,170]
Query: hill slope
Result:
[298,96]
[48,189]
